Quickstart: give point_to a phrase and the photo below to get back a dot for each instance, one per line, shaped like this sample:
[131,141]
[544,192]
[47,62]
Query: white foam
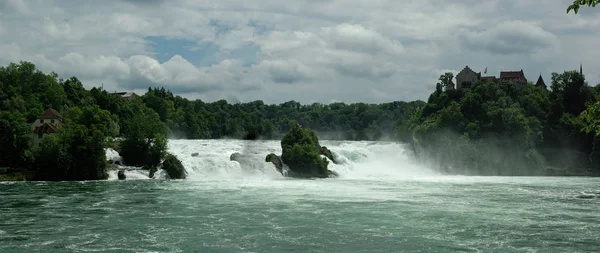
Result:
[113,155]
[360,160]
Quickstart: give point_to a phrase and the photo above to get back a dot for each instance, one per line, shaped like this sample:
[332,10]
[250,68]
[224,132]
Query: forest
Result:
[489,129]
[504,129]
[94,118]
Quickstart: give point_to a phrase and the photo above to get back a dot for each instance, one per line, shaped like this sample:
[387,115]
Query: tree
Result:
[145,142]
[15,135]
[445,80]
[76,152]
[578,3]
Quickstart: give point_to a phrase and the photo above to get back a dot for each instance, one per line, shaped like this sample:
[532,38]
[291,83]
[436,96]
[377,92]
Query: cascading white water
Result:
[360,160]
[213,158]
[115,159]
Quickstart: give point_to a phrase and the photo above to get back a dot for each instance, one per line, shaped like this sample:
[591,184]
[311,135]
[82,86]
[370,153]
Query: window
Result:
[52,121]
[466,85]
[42,121]
[40,135]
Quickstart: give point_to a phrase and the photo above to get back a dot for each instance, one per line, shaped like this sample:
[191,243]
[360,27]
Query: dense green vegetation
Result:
[490,129]
[95,117]
[301,152]
[199,120]
[498,129]
[76,151]
[578,3]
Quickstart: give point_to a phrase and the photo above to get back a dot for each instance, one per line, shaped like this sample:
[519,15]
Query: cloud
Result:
[357,38]
[348,49]
[286,71]
[303,50]
[18,6]
[510,37]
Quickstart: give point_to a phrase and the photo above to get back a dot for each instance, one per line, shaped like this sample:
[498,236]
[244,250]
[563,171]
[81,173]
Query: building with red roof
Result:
[47,123]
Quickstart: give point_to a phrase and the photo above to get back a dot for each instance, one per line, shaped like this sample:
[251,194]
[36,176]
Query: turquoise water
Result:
[416,214]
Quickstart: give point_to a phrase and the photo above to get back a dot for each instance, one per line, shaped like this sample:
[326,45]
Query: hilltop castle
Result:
[466,78]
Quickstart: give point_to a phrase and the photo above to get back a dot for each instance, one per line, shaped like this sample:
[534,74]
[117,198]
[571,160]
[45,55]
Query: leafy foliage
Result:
[75,153]
[578,3]
[500,129]
[488,130]
[301,153]
[145,142]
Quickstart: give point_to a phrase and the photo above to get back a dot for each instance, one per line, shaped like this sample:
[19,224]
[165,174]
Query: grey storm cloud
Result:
[306,50]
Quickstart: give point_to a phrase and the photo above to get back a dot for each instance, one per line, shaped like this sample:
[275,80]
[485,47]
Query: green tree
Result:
[145,142]
[76,152]
[578,3]
[15,136]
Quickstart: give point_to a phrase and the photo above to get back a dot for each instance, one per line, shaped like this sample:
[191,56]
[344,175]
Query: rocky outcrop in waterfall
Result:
[121,175]
[236,157]
[174,167]
[327,153]
[301,152]
[275,160]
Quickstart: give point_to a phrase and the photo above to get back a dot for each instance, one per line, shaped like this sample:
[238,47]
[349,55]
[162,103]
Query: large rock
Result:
[327,153]
[276,160]
[174,167]
[236,157]
[152,170]
[301,152]
[121,175]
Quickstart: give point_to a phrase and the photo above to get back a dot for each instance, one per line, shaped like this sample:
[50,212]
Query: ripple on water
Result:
[370,214]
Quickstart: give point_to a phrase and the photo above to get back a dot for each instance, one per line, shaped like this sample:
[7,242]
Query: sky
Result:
[304,50]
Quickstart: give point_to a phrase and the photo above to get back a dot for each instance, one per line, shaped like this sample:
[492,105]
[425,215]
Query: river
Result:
[382,202]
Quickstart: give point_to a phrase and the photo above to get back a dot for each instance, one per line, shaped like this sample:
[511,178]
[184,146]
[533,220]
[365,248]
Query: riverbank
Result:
[8,174]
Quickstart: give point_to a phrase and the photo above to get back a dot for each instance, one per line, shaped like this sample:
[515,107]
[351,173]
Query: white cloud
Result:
[357,38]
[511,37]
[16,6]
[305,50]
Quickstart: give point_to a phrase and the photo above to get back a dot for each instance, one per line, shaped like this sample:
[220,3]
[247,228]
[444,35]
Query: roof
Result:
[45,129]
[512,74]
[125,94]
[540,82]
[488,78]
[50,114]
[467,69]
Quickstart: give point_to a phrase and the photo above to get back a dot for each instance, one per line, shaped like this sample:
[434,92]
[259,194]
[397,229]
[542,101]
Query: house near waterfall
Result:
[466,78]
[126,95]
[47,123]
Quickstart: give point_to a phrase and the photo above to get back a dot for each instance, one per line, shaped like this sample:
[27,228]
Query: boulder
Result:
[235,157]
[333,174]
[174,167]
[327,153]
[276,160]
[121,175]
[152,170]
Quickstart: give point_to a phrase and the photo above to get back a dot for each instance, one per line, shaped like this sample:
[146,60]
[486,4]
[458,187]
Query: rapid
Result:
[383,201]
